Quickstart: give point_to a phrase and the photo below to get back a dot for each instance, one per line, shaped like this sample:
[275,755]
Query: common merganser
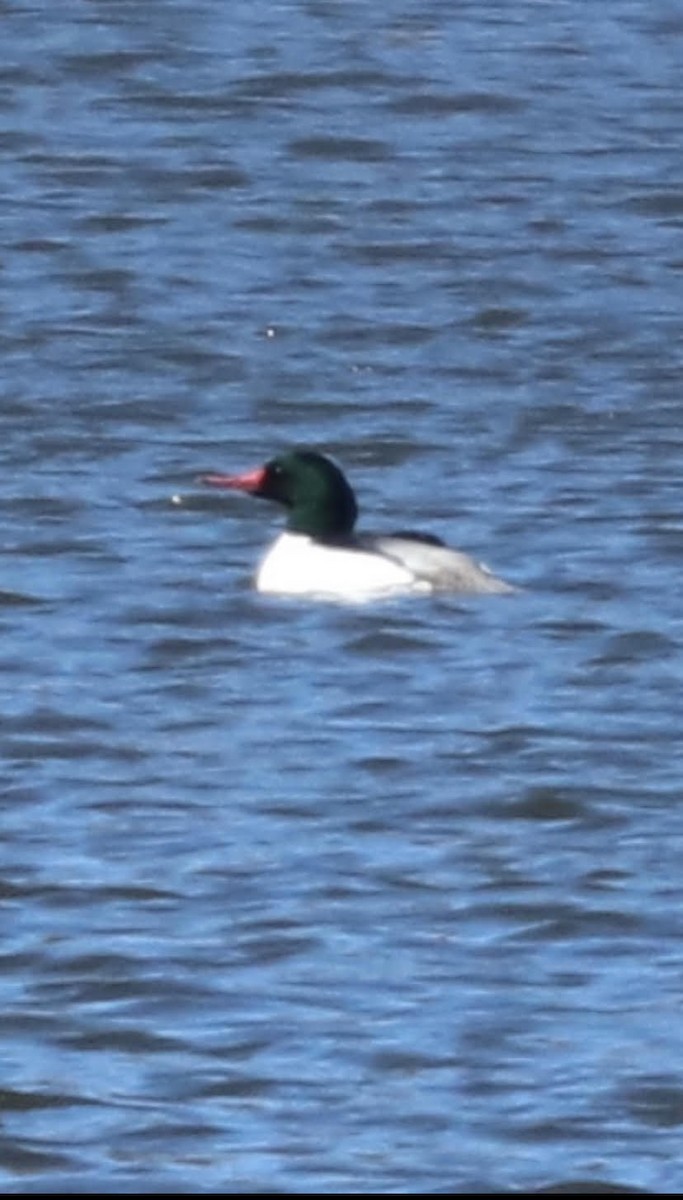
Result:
[319,555]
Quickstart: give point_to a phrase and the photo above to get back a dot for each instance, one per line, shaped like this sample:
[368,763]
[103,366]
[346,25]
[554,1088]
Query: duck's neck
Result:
[326,519]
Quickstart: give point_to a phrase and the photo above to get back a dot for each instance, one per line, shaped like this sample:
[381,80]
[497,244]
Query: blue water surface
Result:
[325,898]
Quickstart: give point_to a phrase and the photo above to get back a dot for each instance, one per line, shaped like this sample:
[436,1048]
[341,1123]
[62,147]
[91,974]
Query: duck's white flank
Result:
[297,565]
[369,568]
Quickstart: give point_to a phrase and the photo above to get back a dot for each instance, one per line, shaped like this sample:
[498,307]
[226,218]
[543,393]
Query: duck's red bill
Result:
[251,481]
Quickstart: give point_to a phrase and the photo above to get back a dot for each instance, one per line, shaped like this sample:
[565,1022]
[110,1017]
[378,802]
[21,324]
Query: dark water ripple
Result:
[322,899]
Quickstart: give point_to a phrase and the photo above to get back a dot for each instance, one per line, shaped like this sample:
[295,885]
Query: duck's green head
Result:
[316,494]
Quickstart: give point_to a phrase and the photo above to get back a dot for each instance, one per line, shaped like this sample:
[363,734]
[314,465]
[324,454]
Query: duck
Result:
[319,554]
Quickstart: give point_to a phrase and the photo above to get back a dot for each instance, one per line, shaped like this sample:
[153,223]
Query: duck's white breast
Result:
[297,565]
